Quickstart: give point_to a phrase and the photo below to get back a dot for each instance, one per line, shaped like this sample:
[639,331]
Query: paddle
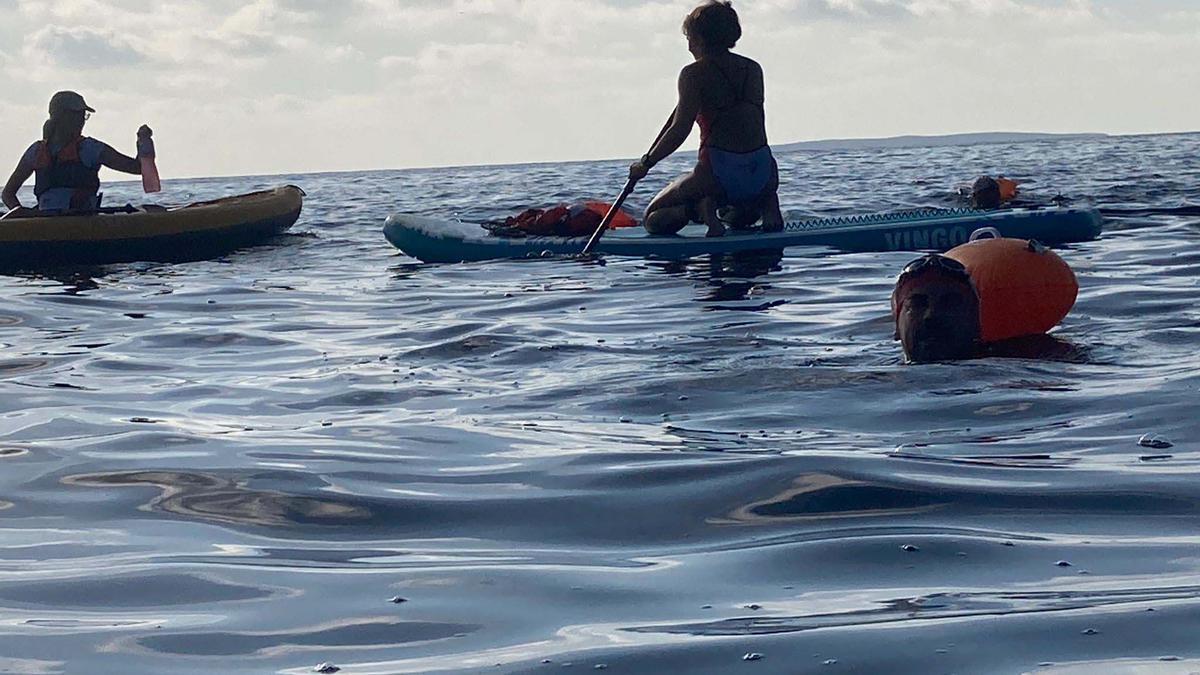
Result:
[595,239]
[26,212]
[612,212]
[19,212]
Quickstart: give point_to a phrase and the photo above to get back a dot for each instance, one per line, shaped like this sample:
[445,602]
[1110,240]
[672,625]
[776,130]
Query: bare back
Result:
[731,102]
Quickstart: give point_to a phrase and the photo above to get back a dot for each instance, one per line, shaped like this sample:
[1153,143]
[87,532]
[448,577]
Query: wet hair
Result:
[716,23]
[985,193]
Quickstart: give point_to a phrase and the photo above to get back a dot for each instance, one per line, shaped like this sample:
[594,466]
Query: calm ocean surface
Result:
[234,466]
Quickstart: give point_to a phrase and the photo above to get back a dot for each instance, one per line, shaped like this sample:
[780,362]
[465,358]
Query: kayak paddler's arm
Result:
[119,162]
[679,127]
[15,181]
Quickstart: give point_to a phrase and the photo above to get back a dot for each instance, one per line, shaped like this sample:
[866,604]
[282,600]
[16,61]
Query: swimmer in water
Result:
[991,297]
[988,194]
[936,310]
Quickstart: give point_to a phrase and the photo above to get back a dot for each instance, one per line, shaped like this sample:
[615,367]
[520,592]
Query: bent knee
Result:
[665,221]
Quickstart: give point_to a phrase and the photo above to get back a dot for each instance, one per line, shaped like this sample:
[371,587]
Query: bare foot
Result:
[772,218]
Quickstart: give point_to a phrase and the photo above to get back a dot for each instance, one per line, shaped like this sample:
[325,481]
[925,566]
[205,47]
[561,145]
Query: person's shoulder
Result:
[692,70]
[693,74]
[704,70]
[31,153]
[749,62]
[87,143]
[91,151]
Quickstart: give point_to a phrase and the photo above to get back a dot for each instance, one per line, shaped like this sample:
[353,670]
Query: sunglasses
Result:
[934,261]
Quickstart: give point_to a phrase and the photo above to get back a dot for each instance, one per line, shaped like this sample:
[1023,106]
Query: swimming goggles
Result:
[935,261]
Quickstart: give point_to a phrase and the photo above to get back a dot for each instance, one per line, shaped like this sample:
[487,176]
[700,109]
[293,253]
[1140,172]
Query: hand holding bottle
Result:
[145,152]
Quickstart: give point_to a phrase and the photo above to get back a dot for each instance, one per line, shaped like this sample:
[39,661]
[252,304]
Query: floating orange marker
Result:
[1008,189]
[1024,288]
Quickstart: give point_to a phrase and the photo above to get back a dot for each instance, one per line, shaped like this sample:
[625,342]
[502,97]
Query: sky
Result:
[238,87]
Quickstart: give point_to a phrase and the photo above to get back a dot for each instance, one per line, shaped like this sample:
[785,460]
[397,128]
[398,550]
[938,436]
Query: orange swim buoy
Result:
[1024,288]
[1008,189]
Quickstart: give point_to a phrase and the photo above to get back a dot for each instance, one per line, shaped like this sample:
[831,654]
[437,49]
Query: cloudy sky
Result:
[237,87]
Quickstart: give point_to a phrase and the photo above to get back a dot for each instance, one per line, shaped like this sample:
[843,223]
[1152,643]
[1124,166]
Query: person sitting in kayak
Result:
[66,164]
[722,92]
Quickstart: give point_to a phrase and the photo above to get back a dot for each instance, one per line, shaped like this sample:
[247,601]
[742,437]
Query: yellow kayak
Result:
[192,232]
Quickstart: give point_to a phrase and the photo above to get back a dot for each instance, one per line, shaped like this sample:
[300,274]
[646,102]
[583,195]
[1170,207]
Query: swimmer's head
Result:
[936,310]
[985,193]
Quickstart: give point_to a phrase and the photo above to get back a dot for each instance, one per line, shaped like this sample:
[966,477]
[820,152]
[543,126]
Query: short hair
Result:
[716,23]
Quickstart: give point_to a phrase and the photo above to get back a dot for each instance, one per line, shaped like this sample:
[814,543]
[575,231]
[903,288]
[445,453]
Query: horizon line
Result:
[1047,135]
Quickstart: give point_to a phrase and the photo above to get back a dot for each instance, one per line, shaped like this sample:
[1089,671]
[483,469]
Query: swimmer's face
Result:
[937,318]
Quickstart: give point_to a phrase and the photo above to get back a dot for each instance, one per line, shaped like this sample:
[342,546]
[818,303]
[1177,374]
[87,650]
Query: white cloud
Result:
[286,85]
[81,48]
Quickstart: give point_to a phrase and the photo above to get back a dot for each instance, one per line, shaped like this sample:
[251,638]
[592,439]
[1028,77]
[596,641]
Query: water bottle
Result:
[145,152]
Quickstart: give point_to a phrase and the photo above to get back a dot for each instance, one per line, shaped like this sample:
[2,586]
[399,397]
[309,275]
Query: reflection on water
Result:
[1041,347]
[359,635]
[226,500]
[65,280]
[322,451]
[935,606]
[821,496]
[143,590]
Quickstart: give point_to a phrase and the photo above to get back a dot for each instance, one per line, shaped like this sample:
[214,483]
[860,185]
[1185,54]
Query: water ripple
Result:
[320,450]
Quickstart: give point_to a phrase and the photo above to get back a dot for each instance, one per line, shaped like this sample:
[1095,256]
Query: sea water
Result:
[322,452]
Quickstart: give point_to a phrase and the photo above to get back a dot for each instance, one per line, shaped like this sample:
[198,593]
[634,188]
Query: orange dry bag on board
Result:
[1023,287]
[567,221]
[620,219]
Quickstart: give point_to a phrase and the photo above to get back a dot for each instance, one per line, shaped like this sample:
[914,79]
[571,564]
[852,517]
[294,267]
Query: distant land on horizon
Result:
[933,141]
[893,142]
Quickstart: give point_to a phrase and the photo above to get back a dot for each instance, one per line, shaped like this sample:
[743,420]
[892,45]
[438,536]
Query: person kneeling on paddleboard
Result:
[66,164]
[723,93]
[979,297]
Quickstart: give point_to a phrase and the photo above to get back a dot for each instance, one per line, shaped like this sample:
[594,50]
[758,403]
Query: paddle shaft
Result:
[612,212]
[629,185]
[17,212]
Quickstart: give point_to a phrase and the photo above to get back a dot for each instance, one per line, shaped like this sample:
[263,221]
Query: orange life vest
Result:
[65,169]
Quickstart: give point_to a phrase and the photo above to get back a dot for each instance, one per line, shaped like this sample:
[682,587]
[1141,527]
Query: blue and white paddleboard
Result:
[444,240]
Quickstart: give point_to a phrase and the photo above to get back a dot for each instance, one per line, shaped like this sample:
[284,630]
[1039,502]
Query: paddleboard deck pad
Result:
[445,240]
